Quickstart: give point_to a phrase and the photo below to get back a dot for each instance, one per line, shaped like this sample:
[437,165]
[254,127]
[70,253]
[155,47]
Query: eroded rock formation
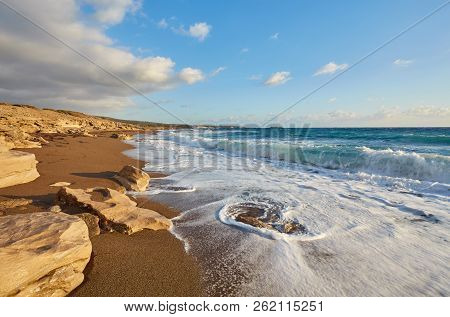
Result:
[42,254]
[92,222]
[262,216]
[17,168]
[20,125]
[116,211]
[133,178]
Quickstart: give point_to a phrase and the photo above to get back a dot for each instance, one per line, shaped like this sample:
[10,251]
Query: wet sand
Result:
[147,263]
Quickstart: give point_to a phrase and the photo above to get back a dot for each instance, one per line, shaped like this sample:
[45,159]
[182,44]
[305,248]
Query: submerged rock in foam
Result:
[262,215]
[361,215]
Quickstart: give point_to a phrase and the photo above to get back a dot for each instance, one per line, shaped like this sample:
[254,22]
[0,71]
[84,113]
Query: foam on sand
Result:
[355,233]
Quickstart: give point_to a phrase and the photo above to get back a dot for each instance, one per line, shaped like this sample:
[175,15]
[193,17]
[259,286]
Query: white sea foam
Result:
[368,233]
[430,167]
[178,149]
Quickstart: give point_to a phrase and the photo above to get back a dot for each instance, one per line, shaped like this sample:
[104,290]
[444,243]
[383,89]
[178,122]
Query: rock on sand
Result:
[117,211]
[42,254]
[17,168]
[133,178]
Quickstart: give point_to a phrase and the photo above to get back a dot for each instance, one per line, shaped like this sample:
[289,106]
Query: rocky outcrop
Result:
[8,203]
[116,211]
[21,126]
[92,222]
[133,178]
[42,254]
[17,168]
[16,139]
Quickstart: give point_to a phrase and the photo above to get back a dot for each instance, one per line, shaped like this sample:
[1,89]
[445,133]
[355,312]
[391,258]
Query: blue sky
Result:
[247,42]
[310,35]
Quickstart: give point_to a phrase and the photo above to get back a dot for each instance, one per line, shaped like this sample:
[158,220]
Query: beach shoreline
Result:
[147,263]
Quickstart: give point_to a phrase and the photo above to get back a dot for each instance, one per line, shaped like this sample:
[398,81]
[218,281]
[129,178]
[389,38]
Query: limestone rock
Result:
[17,168]
[7,203]
[42,140]
[266,216]
[121,190]
[60,184]
[42,254]
[117,211]
[91,222]
[54,208]
[16,138]
[17,122]
[133,178]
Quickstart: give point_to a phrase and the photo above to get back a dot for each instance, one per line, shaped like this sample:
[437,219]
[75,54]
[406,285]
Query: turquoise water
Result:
[373,204]
[413,153]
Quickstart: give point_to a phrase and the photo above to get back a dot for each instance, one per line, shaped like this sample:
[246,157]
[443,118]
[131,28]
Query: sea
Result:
[308,211]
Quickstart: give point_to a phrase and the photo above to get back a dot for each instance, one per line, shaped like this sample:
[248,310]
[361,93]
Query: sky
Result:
[230,62]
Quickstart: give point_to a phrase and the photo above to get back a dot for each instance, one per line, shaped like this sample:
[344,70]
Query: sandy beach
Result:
[147,263]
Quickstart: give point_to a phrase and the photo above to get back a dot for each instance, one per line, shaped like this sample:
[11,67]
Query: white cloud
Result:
[330,68]
[342,115]
[403,62]
[274,36]
[162,24]
[217,71]
[37,69]
[278,78]
[191,75]
[199,30]
[113,11]
[331,100]
[429,111]
[420,116]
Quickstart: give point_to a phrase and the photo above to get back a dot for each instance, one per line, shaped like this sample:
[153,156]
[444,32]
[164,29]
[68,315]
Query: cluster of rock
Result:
[116,211]
[45,253]
[9,203]
[20,125]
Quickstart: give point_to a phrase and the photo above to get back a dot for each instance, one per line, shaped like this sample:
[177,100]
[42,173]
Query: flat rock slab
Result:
[115,209]
[42,254]
[17,168]
[60,184]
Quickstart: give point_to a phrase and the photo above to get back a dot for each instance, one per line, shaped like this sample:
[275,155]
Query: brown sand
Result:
[147,263]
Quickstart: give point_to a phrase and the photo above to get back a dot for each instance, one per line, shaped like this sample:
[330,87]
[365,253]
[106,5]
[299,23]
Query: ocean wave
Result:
[429,167]
[348,158]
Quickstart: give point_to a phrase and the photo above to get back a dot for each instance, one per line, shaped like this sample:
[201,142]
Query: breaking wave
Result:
[348,158]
